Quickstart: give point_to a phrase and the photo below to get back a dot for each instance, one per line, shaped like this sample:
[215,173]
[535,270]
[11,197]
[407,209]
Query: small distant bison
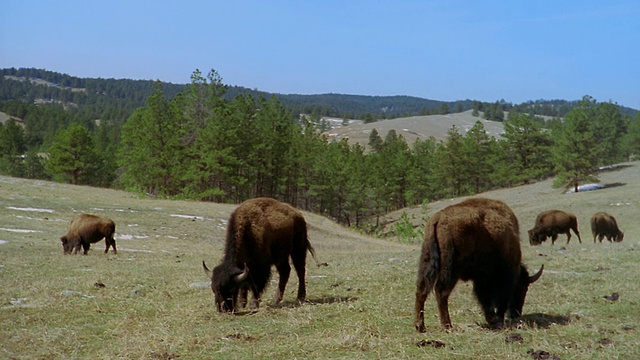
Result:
[478,240]
[603,224]
[85,229]
[550,223]
[261,232]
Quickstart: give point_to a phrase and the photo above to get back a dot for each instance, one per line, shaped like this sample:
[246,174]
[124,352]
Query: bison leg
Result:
[575,230]
[442,298]
[299,265]
[424,287]
[255,299]
[284,269]
[110,243]
[86,246]
[242,297]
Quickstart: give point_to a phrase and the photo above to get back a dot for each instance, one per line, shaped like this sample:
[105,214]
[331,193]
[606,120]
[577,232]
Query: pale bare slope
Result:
[415,127]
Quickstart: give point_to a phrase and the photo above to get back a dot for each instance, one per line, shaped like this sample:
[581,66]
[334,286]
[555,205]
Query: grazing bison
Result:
[603,224]
[85,229]
[475,240]
[261,232]
[551,223]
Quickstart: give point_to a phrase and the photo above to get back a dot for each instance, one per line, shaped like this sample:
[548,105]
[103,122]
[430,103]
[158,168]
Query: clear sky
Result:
[436,49]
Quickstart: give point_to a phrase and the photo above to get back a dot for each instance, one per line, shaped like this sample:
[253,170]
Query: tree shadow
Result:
[612,168]
[612,185]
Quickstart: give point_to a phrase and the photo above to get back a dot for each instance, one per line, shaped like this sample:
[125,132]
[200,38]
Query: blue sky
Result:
[441,50]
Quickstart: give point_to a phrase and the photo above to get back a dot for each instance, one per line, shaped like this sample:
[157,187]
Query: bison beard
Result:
[86,229]
[261,232]
[475,240]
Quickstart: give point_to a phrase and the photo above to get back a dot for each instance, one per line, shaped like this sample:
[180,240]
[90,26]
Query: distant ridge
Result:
[130,94]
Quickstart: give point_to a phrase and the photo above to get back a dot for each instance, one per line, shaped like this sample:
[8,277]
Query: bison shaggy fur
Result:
[550,223]
[85,229]
[261,232]
[605,225]
[476,240]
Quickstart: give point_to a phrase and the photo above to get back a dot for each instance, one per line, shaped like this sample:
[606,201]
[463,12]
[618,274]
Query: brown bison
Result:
[475,240]
[551,223]
[85,229]
[603,224]
[261,232]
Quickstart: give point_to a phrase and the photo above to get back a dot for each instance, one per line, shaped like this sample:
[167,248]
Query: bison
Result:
[261,232]
[603,224]
[551,223]
[475,240]
[85,229]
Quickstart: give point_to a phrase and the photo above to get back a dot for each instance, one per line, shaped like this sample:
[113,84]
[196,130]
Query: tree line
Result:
[201,145]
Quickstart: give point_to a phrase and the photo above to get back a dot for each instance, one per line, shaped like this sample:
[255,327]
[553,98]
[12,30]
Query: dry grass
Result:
[154,305]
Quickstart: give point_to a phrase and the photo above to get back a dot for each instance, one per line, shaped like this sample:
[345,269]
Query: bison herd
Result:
[477,240]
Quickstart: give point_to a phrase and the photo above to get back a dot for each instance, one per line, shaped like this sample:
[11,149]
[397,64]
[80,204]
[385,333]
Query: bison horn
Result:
[206,270]
[536,276]
[243,275]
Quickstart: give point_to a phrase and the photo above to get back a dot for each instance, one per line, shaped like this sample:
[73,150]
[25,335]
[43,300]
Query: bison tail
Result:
[434,257]
[311,250]
[430,259]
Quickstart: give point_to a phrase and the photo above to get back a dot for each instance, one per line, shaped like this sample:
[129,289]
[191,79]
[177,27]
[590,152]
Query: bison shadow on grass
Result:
[290,304]
[536,320]
[543,321]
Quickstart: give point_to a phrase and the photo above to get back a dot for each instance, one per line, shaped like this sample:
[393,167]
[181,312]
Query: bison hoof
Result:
[421,328]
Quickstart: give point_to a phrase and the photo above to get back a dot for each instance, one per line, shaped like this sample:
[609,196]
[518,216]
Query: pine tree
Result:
[577,153]
[151,154]
[528,147]
[73,157]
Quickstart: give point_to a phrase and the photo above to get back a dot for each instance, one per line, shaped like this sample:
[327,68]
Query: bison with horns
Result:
[86,229]
[551,223]
[603,224]
[261,232]
[475,240]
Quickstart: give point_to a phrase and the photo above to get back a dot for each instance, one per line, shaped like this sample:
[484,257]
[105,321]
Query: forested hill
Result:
[115,99]
[190,142]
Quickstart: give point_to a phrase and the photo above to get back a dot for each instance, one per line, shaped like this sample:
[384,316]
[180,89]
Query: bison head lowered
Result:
[520,292]
[261,233]
[226,283]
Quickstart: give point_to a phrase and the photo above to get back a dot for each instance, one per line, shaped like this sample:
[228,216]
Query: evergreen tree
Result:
[476,157]
[421,173]
[73,157]
[528,147]
[451,163]
[609,128]
[12,147]
[576,153]
[375,141]
[151,155]
[631,140]
[206,136]
[358,202]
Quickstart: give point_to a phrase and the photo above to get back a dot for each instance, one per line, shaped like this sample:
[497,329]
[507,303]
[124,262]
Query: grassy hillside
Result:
[156,303]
